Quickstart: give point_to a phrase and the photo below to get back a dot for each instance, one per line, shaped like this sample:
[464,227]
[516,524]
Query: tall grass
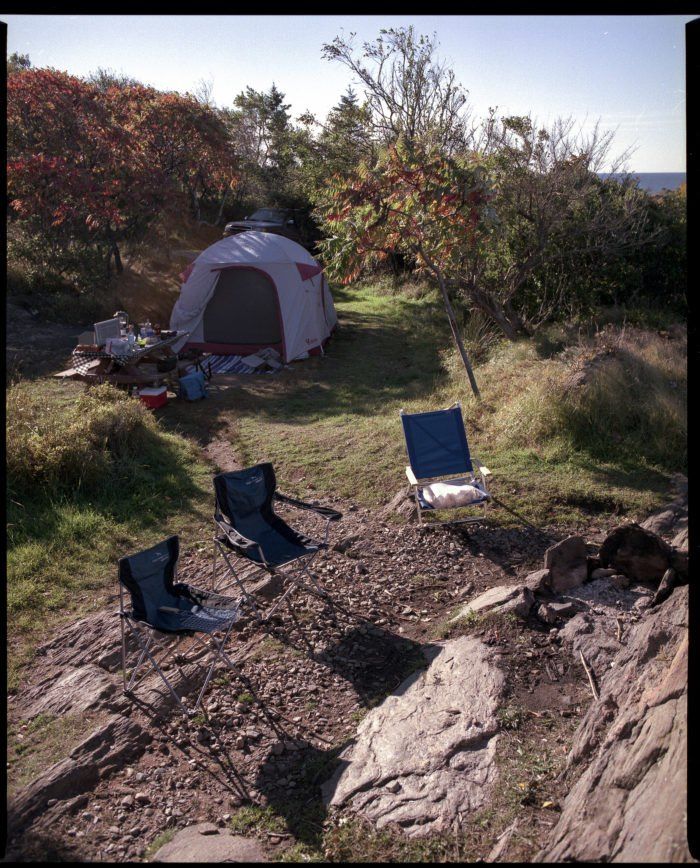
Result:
[621,395]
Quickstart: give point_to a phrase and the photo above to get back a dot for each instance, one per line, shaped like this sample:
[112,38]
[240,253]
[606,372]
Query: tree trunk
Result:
[457,338]
[511,325]
[452,320]
[117,258]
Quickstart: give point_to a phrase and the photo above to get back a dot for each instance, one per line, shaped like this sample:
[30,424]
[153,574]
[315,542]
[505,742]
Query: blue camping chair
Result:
[438,451]
[259,540]
[163,610]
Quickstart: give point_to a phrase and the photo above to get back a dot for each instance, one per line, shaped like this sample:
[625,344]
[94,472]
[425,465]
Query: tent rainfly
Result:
[251,291]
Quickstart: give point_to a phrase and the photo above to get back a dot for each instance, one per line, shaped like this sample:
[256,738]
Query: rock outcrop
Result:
[629,804]
[204,842]
[425,756]
[110,747]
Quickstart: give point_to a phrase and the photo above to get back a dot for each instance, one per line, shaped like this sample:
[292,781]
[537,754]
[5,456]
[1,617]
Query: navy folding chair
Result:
[163,610]
[255,541]
[437,448]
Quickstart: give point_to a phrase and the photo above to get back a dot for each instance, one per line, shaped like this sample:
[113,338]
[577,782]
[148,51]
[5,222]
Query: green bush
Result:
[76,446]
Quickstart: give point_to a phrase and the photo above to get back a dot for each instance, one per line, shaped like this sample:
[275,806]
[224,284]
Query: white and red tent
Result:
[255,290]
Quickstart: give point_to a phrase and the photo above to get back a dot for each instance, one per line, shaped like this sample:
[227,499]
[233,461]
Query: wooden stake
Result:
[590,676]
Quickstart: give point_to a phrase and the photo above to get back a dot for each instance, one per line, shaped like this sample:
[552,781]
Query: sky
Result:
[627,72]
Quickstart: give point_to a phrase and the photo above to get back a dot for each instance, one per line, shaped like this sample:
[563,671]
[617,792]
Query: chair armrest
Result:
[483,469]
[411,476]
[326,511]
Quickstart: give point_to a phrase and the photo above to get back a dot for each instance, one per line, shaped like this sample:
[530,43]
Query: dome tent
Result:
[255,290]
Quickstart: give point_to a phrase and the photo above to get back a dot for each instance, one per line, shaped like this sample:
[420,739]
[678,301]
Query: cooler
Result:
[154,397]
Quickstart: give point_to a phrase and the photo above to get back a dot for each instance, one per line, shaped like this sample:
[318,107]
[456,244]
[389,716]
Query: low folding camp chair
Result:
[163,612]
[255,541]
[438,451]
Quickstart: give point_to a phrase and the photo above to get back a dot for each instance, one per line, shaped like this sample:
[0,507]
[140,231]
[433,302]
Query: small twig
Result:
[619,629]
[590,676]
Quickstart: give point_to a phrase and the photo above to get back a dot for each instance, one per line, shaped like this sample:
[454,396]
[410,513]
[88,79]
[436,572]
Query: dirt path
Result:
[34,348]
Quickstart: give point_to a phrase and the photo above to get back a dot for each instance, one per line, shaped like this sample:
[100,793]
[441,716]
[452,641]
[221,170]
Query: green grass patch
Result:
[253,818]
[559,456]
[92,476]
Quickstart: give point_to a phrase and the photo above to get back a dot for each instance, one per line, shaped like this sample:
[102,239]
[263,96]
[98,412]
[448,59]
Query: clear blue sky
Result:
[627,71]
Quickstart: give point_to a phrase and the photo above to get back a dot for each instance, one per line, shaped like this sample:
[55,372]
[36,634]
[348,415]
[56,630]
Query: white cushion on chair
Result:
[449,495]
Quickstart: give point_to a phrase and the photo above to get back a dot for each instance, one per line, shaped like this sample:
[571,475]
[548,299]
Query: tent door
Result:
[243,309]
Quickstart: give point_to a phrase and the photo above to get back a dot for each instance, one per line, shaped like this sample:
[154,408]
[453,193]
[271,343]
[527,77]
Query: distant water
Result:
[652,182]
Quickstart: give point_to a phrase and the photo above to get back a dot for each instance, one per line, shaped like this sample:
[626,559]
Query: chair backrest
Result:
[436,443]
[149,576]
[244,498]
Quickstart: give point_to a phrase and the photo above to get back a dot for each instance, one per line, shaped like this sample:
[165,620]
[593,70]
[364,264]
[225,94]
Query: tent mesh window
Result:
[243,309]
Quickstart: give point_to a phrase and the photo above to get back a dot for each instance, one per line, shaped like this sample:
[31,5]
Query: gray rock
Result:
[537,581]
[205,843]
[546,614]
[680,541]
[490,599]
[435,736]
[629,755]
[550,613]
[110,747]
[75,690]
[519,605]
[567,563]
[602,573]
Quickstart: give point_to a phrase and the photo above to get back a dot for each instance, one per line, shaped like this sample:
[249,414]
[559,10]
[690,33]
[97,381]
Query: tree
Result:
[74,177]
[105,78]
[261,134]
[17,62]
[553,212]
[409,92]
[181,138]
[426,204]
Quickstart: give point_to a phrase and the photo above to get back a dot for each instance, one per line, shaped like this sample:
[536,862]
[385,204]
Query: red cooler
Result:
[155,397]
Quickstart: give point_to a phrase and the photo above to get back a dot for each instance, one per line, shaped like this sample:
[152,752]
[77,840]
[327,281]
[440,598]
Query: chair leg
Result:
[217,647]
[145,652]
[249,598]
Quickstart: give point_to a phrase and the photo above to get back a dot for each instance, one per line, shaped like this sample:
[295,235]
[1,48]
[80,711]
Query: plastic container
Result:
[154,397]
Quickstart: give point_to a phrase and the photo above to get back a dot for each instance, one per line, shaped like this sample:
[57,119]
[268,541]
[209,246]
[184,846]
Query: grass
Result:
[91,478]
[331,425]
[160,841]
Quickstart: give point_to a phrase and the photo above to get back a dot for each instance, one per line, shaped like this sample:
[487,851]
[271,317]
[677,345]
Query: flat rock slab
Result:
[517,599]
[75,689]
[205,843]
[425,756]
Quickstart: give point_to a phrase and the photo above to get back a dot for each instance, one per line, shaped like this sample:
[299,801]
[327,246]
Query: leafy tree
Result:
[181,138]
[425,204]
[91,168]
[553,213]
[261,134]
[17,62]
[73,176]
[105,78]
[409,92]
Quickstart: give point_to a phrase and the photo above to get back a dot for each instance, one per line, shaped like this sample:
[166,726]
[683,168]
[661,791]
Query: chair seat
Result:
[199,619]
[425,505]
[278,549]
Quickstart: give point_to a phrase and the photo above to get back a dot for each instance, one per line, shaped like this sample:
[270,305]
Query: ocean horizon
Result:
[652,182]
